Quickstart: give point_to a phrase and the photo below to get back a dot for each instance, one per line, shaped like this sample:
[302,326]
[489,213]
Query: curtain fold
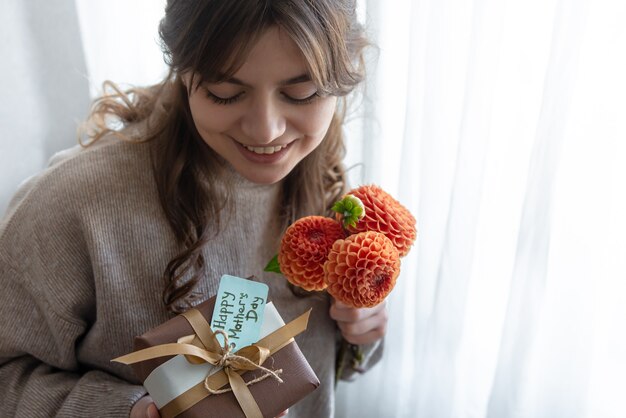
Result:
[509,393]
[508,304]
[436,384]
[43,81]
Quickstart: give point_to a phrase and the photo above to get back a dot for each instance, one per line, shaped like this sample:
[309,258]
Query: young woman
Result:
[199,177]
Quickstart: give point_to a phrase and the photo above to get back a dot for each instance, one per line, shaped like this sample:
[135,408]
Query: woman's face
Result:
[268,117]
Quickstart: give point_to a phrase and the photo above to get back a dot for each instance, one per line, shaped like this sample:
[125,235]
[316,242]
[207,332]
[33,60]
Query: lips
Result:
[263,155]
[265,150]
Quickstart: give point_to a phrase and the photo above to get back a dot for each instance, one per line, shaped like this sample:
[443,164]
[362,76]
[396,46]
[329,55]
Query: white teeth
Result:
[265,150]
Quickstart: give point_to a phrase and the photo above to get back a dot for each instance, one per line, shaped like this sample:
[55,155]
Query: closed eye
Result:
[305,100]
[232,99]
[223,100]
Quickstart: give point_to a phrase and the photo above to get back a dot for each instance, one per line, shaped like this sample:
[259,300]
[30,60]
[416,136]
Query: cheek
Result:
[315,121]
[208,118]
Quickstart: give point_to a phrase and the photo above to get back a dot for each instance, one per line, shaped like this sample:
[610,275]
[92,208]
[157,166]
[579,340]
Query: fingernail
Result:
[152,411]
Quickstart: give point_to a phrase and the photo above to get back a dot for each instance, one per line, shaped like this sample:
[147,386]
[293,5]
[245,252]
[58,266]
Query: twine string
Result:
[227,359]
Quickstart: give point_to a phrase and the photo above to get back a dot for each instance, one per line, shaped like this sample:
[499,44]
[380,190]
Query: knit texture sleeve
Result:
[33,388]
[47,303]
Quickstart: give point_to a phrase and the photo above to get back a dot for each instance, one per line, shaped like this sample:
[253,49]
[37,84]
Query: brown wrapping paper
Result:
[271,396]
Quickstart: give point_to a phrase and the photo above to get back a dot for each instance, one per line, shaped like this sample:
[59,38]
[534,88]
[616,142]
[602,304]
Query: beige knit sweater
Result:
[82,250]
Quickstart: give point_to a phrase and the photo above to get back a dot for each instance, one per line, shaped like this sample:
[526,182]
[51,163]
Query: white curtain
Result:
[506,138]
[499,123]
[43,86]
[55,56]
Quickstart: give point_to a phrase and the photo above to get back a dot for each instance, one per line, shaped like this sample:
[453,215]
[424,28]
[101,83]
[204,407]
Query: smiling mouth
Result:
[265,150]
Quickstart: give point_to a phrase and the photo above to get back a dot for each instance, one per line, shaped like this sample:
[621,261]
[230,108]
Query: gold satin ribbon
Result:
[204,347]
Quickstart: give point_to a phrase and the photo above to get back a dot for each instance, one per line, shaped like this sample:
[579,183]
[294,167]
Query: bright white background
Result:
[501,125]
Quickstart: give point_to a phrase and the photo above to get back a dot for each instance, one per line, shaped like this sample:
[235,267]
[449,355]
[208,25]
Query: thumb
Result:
[152,411]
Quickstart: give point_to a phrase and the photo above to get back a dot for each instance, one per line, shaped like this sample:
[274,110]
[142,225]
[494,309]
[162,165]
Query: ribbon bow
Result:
[248,358]
[203,347]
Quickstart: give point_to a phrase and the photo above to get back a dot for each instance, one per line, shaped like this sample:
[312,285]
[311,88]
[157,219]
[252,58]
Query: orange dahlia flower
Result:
[304,249]
[386,215]
[362,269]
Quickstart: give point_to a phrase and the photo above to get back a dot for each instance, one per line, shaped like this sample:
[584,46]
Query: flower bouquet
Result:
[355,256]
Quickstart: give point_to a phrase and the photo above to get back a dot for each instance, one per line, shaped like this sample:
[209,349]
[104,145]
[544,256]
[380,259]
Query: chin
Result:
[264,178]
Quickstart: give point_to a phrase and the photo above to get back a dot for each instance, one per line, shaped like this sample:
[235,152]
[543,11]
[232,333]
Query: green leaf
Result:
[351,221]
[357,353]
[273,266]
[338,207]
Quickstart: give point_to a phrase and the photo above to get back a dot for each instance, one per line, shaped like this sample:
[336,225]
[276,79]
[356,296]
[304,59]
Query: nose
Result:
[263,122]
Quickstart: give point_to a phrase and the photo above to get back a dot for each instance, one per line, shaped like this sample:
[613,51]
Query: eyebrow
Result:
[293,80]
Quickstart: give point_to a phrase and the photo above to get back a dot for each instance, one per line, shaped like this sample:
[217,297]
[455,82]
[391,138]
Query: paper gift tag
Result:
[239,307]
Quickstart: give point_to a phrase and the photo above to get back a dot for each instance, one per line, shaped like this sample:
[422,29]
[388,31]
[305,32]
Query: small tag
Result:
[238,311]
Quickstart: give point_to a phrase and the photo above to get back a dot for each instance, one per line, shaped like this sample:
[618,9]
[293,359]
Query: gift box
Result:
[177,382]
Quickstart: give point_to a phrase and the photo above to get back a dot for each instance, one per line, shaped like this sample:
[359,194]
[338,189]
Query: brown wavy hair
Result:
[210,39]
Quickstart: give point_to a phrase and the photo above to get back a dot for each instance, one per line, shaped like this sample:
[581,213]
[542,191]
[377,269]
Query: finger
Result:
[349,314]
[144,408]
[340,305]
[367,338]
[364,326]
[152,411]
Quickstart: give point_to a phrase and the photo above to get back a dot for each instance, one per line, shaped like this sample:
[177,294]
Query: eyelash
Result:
[304,101]
[223,101]
[230,100]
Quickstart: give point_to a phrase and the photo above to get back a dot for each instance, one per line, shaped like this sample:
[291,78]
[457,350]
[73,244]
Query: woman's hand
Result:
[145,408]
[360,325]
